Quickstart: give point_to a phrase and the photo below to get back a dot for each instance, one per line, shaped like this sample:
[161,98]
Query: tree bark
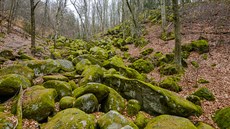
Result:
[177,27]
[163,15]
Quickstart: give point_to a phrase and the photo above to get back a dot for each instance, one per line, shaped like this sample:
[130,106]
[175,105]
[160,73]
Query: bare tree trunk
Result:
[163,15]
[33,27]
[177,28]
[11,15]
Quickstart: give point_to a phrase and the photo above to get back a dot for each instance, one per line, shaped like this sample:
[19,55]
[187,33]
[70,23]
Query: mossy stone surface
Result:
[18,69]
[204,93]
[114,101]
[194,99]
[38,102]
[66,65]
[71,118]
[80,66]
[141,119]
[200,46]
[202,125]
[170,84]
[133,107]
[170,122]
[62,88]
[147,52]
[7,54]
[114,120]
[73,84]
[55,77]
[142,65]
[169,69]
[152,98]
[91,58]
[222,118]
[6,122]
[100,52]
[99,90]
[41,67]
[11,83]
[87,103]
[66,102]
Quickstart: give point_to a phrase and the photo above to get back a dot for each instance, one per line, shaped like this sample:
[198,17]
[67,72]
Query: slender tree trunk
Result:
[163,15]
[177,27]
[11,15]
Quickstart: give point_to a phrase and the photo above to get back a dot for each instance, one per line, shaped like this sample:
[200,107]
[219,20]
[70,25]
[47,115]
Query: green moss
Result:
[133,107]
[200,46]
[205,56]
[38,103]
[70,118]
[202,125]
[114,61]
[170,84]
[55,77]
[142,65]
[7,54]
[194,99]
[141,120]
[93,59]
[66,102]
[62,88]
[203,81]
[169,69]
[99,90]
[195,64]
[73,84]
[167,36]
[80,66]
[87,103]
[114,101]
[66,65]
[152,98]
[56,55]
[100,52]
[165,59]
[25,56]
[222,118]
[170,122]
[204,93]
[11,83]
[129,40]
[18,69]
[6,122]
[114,120]
[147,52]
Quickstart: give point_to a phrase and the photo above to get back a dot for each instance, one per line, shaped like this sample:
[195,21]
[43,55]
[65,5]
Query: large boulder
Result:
[38,103]
[202,125]
[66,102]
[87,103]
[71,118]
[43,66]
[142,119]
[99,90]
[62,88]
[11,83]
[170,122]
[80,66]
[143,66]
[18,69]
[66,65]
[100,52]
[114,101]
[114,120]
[170,84]
[91,58]
[152,98]
[222,118]
[6,121]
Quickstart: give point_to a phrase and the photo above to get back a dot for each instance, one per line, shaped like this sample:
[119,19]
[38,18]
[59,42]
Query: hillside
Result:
[111,82]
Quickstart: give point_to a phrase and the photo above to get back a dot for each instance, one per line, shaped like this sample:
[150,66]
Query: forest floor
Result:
[216,69]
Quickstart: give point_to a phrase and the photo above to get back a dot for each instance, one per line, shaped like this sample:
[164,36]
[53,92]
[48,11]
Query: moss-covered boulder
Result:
[100,52]
[99,90]
[93,59]
[73,84]
[152,98]
[71,118]
[194,99]
[87,103]
[169,69]
[202,125]
[62,88]
[204,93]
[66,102]
[114,101]
[43,66]
[118,64]
[114,120]
[66,65]
[6,121]
[200,46]
[38,103]
[142,65]
[170,122]
[18,69]
[147,52]
[7,54]
[80,66]
[11,83]
[141,119]
[222,118]
[170,84]
[133,107]
[55,77]
[92,73]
